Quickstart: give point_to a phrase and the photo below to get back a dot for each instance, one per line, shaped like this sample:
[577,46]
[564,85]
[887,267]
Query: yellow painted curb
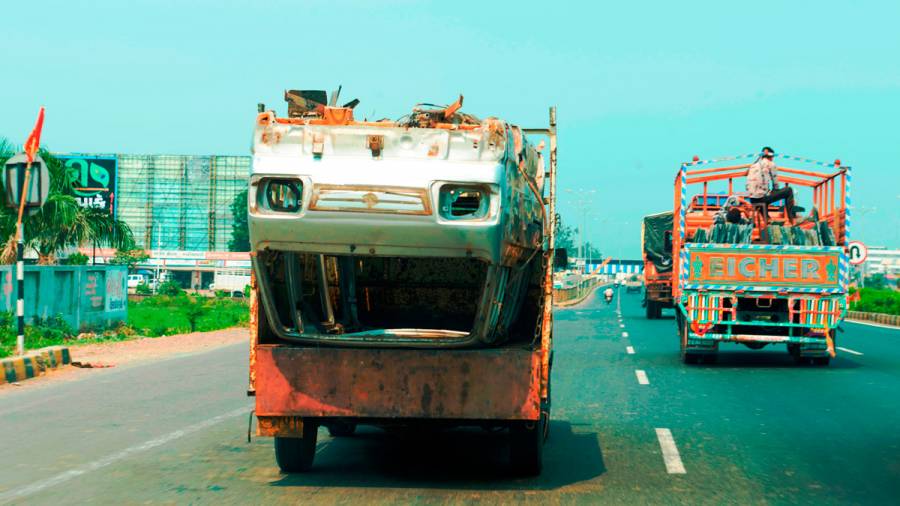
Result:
[35,363]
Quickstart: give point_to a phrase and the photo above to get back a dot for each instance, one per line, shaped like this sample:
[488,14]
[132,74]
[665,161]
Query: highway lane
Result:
[753,428]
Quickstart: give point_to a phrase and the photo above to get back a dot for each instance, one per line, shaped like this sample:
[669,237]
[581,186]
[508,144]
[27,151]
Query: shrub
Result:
[877,300]
[77,259]
[143,289]
[170,288]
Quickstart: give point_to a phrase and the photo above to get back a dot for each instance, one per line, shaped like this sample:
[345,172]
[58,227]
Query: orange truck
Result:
[656,246]
[769,278]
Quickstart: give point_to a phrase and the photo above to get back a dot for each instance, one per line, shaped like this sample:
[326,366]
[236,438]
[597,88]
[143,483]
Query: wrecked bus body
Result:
[401,274]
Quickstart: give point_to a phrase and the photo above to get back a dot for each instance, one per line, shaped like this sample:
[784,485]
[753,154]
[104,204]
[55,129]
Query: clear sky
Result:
[640,86]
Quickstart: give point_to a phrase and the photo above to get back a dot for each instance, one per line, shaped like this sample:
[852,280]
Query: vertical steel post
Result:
[22,173]
[20,290]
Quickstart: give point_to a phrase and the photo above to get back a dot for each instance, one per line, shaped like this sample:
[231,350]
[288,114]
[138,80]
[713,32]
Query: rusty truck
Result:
[755,272]
[656,246]
[402,274]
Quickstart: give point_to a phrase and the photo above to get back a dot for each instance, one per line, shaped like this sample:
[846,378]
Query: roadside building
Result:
[178,206]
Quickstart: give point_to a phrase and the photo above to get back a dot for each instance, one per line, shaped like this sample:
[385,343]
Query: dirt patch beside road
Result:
[104,356]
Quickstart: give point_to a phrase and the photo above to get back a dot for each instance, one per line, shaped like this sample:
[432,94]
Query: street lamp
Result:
[582,205]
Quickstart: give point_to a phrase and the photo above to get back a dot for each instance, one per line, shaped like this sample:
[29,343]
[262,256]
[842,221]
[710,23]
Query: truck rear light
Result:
[464,202]
[281,195]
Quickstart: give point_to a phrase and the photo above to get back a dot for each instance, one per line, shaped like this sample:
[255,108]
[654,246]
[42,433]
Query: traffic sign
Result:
[38,182]
[857,252]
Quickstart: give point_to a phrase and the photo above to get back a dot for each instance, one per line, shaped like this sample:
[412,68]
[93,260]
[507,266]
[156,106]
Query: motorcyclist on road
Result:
[608,293]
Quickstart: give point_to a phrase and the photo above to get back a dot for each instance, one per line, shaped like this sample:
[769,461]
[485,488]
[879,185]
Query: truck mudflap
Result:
[477,384]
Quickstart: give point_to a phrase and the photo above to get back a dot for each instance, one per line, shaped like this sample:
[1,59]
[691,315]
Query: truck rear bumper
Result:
[481,384]
[755,338]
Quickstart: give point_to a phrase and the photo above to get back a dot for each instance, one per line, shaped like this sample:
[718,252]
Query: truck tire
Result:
[296,454]
[687,357]
[526,446]
[657,306]
[341,429]
[822,361]
[651,310]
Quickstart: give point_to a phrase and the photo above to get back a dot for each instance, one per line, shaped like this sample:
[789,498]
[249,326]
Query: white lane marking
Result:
[848,350]
[641,377]
[624,334]
[873,324]
[38,486]
[621,325]
[630,350]
[670,452]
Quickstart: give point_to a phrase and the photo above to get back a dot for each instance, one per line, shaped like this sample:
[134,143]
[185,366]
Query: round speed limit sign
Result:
[857,252]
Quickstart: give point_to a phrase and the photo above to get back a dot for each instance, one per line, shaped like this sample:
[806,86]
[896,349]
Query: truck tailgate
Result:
[496,383]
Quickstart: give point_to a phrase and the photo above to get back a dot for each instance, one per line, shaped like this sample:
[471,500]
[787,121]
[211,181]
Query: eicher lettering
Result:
[763,267]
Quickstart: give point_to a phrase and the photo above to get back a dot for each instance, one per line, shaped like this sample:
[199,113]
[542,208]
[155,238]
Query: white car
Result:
[135,279]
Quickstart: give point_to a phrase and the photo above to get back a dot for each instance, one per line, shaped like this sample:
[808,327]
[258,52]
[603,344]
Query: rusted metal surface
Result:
[499,383]
[281,426]
[254,333]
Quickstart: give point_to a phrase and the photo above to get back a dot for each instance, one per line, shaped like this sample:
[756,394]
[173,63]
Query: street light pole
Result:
[158,255]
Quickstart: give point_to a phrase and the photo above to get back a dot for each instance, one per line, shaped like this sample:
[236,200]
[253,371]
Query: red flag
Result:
[34,140]
[854,297]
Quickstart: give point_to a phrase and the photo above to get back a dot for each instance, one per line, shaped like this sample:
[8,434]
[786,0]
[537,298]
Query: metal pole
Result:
[20,290]
[23,173]
[158,258]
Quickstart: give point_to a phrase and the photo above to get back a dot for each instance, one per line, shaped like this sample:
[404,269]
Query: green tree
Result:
[240,230]
[77,259]
[565,235]
[130,257]
[61,223]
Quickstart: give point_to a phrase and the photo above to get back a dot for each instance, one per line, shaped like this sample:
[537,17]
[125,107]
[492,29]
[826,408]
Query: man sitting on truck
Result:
[762,183]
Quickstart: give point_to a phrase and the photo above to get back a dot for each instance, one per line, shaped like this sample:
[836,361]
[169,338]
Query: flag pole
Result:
[32,145]
[20,261]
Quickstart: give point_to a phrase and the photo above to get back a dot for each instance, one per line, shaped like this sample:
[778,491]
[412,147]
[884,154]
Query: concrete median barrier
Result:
[881,318]
[33,364]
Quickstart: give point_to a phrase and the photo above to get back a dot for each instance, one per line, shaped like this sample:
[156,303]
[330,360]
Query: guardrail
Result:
[574,295]
[886,319]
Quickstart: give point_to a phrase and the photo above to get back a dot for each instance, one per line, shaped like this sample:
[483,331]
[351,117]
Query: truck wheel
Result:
[657,314]
[526,446]
[821,361]
[296,454]
[341,429]
[651,310]
[687,357]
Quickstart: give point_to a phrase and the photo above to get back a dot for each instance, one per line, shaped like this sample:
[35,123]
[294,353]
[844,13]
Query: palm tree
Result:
[61,222]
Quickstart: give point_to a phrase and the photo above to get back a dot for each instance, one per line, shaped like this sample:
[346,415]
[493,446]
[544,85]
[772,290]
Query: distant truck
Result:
[633,284]
[656,246]
[770,278]
[402,275]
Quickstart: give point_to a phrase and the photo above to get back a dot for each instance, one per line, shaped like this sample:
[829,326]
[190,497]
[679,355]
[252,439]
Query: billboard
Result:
[93,179]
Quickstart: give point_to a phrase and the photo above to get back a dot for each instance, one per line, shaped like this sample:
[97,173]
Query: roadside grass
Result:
[152,317]
[166,315]
[877,300]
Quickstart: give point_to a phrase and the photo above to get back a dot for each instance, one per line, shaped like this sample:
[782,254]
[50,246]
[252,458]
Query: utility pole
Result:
[158,254]
[583,204]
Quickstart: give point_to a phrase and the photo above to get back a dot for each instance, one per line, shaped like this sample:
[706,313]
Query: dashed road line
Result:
[629,350]
[670,452]
[641,377]
[38,486]
[848,350]
[624,334]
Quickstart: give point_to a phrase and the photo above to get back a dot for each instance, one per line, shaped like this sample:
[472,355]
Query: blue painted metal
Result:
[85,296]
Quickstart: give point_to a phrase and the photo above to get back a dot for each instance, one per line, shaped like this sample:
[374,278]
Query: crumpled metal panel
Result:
[499,384]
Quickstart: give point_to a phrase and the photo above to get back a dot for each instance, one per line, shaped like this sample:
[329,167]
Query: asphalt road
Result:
[752,429]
